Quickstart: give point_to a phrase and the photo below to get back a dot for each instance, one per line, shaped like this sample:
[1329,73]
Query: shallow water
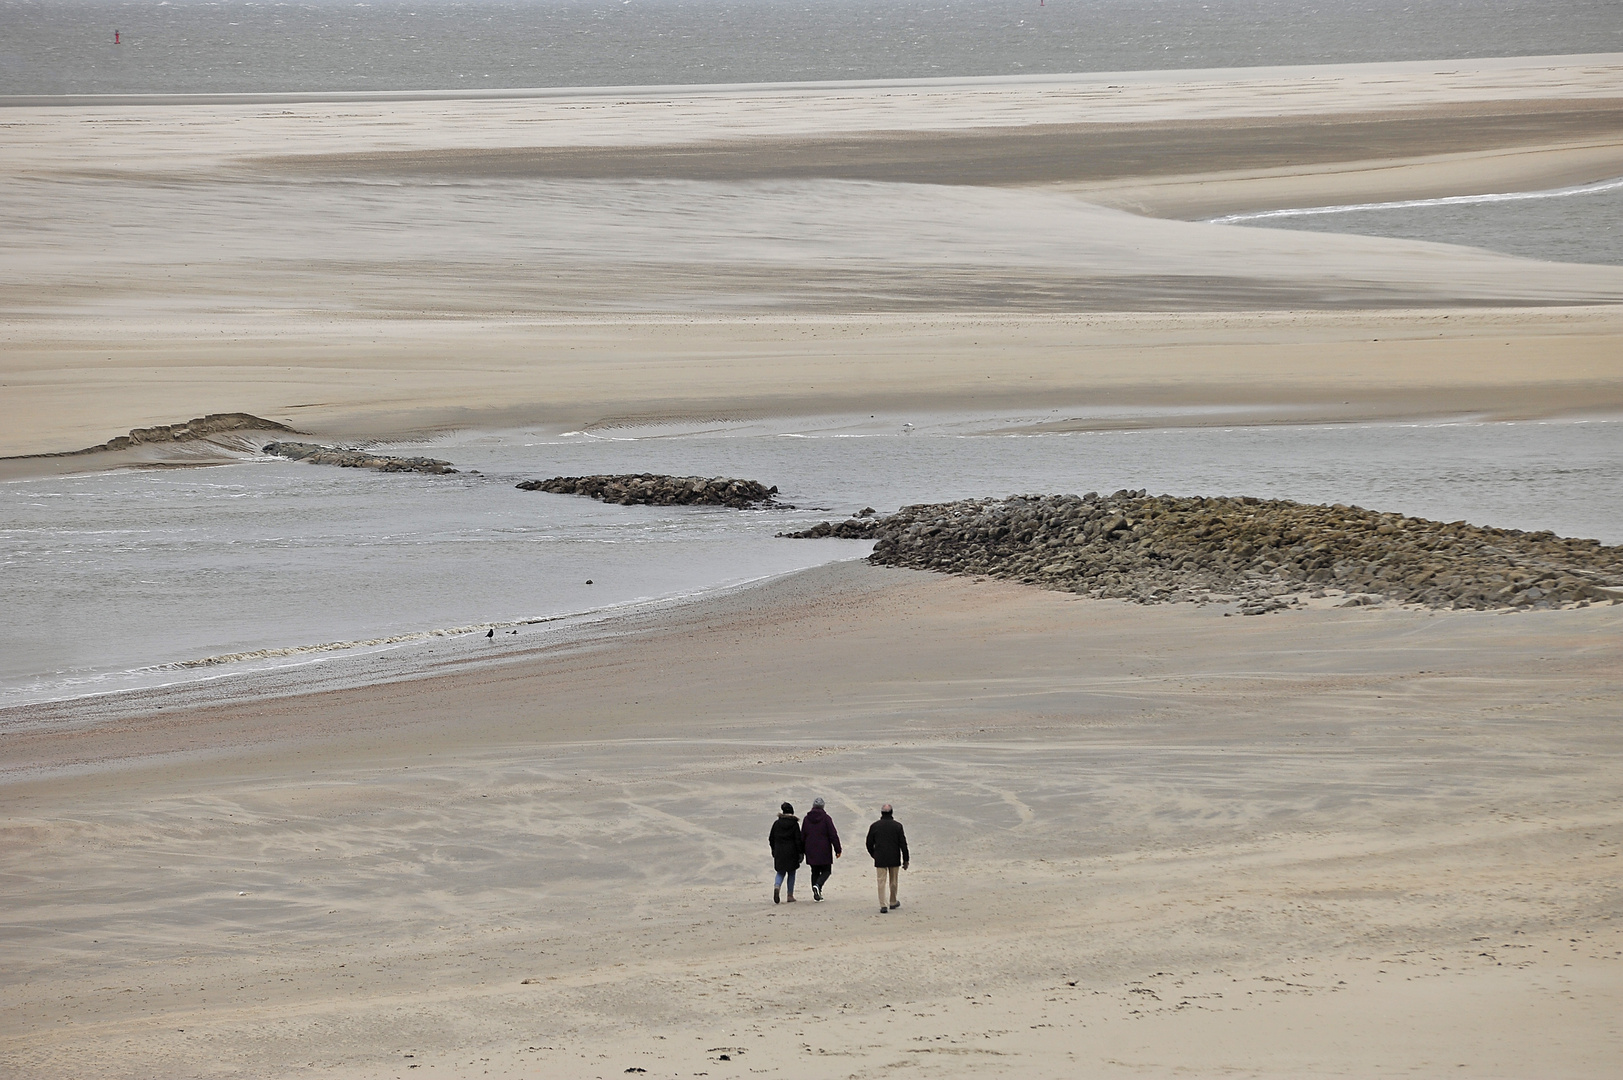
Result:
[127,579]
[1581,224]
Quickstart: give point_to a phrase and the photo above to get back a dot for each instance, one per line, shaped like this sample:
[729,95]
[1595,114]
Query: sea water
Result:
[122,580]
[254,46]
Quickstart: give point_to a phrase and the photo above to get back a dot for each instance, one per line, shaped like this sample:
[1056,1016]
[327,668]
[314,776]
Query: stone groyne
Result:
[1267,554]
[313,454]
[650,489]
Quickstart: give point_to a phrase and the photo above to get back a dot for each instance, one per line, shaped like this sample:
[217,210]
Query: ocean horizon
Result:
[63,47]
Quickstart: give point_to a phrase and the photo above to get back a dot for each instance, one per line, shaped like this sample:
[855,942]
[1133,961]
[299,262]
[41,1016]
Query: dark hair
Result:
[787,809]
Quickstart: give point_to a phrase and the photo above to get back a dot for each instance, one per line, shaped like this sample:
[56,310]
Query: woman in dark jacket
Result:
[822,846]
[787,848]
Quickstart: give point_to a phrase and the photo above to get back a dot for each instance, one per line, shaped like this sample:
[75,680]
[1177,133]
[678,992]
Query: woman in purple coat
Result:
[822,841]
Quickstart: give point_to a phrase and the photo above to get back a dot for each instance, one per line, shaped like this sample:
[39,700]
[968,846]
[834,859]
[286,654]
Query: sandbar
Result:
[386,266]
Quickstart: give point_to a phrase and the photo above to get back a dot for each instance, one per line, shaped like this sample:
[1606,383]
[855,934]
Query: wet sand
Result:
[1145,840]
[396,380]
[391,266]
[1524,144]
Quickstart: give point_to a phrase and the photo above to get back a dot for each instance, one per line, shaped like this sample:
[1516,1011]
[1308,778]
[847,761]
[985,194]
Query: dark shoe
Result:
[817,893]
[775,896]
[894,904]
[883,909]
[789,899]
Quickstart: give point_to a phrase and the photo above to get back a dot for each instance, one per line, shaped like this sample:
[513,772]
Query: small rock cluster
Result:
[650,489]
[856,528]
[356,459]
[1267,554]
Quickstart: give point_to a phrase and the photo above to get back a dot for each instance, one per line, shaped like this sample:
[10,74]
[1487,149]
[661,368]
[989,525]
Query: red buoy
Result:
[115,37]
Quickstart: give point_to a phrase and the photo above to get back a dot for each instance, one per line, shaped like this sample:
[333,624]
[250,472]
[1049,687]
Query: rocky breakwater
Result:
[650,489]
[356,459]
[1266,554]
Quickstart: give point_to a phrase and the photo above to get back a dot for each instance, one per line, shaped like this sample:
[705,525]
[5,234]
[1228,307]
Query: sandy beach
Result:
[1147,840]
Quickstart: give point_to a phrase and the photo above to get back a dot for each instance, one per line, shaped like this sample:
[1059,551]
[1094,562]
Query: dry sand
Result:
[1146,841]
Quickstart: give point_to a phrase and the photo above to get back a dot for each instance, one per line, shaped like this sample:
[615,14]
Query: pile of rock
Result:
[356,459]
[1264,553]
[650,489]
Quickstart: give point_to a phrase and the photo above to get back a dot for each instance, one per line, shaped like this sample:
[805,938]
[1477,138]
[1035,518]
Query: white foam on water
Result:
[1598,188]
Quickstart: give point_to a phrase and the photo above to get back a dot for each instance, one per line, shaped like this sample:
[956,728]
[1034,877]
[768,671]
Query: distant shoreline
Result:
[1144,75]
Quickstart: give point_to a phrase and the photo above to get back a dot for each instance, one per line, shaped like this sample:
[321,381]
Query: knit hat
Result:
[787,809]
[818,802]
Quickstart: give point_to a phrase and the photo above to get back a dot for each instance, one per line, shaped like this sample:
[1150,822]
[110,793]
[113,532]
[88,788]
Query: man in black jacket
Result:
[887,843]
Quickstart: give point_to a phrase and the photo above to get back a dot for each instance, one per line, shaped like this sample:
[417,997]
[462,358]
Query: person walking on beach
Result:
[822,844]
[788,845]
[887,843]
